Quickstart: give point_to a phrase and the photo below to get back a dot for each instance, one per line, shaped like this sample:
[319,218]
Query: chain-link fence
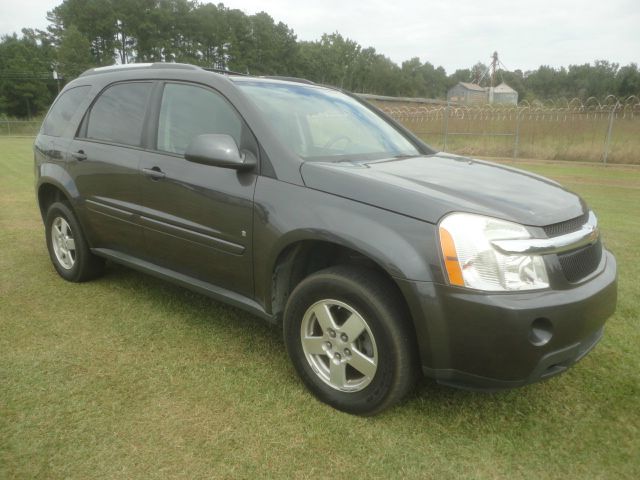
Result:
[19,128]
[589,131]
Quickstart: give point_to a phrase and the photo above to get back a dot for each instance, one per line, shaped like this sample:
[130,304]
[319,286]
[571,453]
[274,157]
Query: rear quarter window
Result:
[118,114]
[63,109]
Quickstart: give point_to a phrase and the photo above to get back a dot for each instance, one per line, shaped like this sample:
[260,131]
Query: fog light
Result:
[541,331]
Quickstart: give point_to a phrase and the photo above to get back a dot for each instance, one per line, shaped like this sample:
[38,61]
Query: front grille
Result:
[577,264]
[562,228]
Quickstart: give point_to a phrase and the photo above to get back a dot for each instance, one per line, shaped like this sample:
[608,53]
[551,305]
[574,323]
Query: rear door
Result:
[106,153]
[197,219]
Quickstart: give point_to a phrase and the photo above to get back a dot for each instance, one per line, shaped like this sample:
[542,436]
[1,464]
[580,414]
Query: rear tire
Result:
[349,337]
[68,249]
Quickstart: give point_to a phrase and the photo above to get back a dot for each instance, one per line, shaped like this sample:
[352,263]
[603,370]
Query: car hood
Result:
[429,187]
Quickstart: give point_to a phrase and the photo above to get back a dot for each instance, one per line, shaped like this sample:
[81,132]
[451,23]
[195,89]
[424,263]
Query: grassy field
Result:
[130,377]
[20,128]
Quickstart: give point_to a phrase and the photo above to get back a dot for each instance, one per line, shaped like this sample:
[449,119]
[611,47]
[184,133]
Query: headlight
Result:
[471,261]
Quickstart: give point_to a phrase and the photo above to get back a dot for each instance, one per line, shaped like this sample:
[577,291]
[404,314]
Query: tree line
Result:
[87,33]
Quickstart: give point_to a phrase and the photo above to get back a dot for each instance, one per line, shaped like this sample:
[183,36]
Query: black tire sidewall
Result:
[60,209]
[379,319]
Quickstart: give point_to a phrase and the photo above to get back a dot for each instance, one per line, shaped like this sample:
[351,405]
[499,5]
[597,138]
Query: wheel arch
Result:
[49,193]
[302,257]
[54,183]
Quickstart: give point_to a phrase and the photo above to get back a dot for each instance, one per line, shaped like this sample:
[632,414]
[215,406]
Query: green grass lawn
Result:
[130,377]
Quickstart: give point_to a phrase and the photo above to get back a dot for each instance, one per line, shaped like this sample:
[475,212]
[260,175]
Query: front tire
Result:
[68,249]
[348,335]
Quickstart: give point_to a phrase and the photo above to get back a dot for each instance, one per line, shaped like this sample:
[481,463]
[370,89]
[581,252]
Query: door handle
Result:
[154,173]
[79,155]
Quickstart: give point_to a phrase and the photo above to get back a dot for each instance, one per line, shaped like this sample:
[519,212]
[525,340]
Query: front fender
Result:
[386,247]
[286,214]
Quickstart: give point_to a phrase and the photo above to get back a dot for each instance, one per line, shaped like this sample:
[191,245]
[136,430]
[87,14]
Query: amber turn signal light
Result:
[454,272]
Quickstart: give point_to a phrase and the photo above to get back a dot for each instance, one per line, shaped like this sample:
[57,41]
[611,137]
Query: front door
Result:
[197,219]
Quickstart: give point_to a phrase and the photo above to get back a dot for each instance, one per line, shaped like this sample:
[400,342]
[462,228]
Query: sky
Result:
[449,33]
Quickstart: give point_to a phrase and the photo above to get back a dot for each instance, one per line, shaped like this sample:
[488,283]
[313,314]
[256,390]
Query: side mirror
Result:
[218,150]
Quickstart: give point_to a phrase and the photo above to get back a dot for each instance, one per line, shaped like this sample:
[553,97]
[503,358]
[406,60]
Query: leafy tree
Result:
[73,54]
[384,77]
[210,34]
[25,74]
[95,19]
[628,81]
[423,80]
[545,82]
[238,51]
[594,80]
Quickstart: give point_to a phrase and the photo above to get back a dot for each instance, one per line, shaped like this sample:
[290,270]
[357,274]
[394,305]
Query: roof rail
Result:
[131,66]
[289,79]
[224,72]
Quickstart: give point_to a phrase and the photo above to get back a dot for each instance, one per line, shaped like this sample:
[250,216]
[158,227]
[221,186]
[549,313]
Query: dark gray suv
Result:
[308,207]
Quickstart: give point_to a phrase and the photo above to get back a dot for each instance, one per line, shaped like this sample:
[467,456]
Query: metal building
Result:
[503,94]
[467,94]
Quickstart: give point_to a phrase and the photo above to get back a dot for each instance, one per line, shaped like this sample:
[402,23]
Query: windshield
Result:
[318,123]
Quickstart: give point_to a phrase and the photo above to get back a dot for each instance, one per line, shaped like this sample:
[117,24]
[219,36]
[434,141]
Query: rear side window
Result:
[188,111]
[118,114]
[63,110]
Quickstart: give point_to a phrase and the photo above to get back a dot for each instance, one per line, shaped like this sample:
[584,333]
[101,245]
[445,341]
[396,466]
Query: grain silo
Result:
[503,94]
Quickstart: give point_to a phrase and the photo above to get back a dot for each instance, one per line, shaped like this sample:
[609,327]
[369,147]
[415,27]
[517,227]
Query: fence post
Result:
[516,140]
[607,142]
[8,129]
[446,126]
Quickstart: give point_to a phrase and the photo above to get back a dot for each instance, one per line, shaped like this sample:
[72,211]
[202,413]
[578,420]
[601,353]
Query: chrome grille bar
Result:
[587,235]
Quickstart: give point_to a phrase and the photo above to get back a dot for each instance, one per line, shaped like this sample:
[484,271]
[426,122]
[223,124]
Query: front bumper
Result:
[482,340]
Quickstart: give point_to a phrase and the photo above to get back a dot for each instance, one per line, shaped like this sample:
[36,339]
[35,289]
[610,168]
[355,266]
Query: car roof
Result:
[138,66]
[161,66]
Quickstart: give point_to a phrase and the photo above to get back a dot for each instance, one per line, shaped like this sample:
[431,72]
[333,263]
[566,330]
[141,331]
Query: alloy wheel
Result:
[63,243]
[339,345]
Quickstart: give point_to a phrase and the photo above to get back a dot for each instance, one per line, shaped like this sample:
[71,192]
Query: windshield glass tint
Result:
[319,123]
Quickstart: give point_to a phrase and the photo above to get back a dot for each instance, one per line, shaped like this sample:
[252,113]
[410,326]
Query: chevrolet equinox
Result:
[379,257]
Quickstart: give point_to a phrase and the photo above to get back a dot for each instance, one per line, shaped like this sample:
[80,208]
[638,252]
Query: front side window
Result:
[118,114]
[63,110]
[188,111]
[319,123]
